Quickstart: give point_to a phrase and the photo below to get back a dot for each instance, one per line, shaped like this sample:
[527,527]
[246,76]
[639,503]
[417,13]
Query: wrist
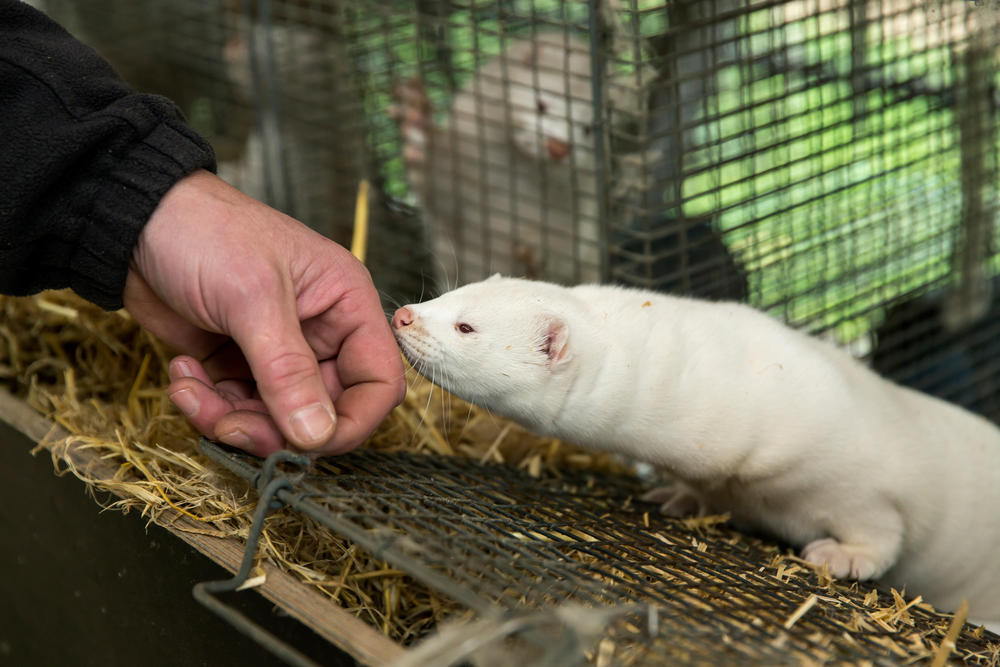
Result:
[184,203]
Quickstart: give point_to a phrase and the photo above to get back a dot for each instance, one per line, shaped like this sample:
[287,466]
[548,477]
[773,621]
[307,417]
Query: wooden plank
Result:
[22,417]
[312,609]
[308,606]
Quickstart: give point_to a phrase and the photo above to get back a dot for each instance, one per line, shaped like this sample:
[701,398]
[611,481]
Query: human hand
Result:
[284,335]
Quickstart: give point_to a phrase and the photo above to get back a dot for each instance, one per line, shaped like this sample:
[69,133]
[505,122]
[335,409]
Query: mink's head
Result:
[502,343]
[549,98]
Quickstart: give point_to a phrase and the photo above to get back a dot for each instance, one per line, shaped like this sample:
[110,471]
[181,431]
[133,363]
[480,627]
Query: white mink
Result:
[787,433]
[507,180]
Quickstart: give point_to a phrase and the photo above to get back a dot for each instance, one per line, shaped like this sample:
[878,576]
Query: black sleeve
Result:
[84,160]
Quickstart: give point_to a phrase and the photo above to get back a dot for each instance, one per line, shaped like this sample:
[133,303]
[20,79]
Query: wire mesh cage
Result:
[833,162]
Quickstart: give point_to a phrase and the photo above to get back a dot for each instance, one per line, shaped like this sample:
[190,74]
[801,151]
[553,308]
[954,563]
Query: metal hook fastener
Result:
[267,487]
[266,474]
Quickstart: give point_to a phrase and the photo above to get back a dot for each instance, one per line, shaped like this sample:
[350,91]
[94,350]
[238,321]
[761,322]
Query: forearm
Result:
[84,161]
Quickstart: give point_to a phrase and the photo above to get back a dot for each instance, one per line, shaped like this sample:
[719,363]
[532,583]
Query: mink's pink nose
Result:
[402,318]
[557,149]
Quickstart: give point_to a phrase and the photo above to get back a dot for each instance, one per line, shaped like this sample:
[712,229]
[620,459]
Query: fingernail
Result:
[237,438]
[313,423]
[181,368]
[186,402]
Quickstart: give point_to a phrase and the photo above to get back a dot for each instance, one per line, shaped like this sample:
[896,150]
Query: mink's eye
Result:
[462,327]
[542,107]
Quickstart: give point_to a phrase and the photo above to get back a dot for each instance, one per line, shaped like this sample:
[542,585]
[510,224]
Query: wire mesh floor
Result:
[496,540]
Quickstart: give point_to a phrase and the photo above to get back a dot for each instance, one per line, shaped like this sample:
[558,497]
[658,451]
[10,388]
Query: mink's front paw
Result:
[844,560]
[677,500]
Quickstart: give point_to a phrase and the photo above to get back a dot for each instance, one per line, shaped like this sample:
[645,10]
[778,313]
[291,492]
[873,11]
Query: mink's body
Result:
[787,433]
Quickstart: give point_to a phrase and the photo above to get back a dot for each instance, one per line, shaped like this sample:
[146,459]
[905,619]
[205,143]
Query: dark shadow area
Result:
[85,587]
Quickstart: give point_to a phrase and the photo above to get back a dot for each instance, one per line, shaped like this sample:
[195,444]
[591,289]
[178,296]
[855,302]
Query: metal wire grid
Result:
[489,201]
[276,86]
[821,160]
[764,57]
[825,168]
[493,538]
[825,161]
[782,126]
[304,152]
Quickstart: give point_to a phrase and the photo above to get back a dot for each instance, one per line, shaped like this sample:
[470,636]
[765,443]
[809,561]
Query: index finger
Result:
[360,409]
[370,368]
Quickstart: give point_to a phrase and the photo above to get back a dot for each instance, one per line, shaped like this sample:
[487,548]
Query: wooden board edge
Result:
[309,607]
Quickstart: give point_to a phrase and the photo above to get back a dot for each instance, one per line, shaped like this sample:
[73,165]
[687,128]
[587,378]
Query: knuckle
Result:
[399,390]
[264,281]
[289,369]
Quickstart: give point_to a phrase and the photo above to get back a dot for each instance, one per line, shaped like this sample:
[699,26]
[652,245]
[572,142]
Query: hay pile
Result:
[102,378]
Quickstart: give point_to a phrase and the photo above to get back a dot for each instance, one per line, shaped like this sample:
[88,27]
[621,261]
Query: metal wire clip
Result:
[268,485]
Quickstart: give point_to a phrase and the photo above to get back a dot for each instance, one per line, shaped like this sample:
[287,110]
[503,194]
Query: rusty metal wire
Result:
[205,592]
[498,541]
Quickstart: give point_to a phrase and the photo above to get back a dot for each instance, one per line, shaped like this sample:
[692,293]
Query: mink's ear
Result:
[555,341]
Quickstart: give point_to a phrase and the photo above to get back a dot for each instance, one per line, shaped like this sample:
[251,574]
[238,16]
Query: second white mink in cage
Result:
[787,433]
[507,178]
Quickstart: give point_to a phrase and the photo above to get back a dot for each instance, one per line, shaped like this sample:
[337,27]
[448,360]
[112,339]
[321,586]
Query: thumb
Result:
[287,373]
